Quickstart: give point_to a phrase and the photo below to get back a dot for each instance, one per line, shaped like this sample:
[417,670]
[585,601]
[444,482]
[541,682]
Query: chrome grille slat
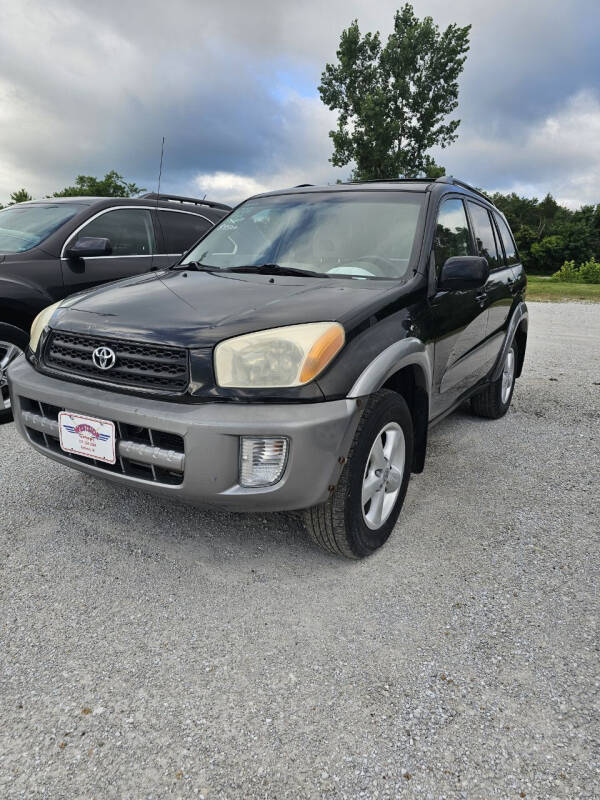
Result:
[145,366]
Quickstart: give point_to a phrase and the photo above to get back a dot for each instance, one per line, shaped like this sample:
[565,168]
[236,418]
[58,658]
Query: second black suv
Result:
[295,358]
[52,248]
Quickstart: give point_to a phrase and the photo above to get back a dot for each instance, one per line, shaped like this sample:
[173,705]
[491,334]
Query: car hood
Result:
[198,309]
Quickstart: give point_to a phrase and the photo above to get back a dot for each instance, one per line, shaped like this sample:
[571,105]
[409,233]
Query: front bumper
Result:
[320,435]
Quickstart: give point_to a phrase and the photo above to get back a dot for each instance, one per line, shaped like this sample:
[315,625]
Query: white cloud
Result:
[560,154]
[228,187]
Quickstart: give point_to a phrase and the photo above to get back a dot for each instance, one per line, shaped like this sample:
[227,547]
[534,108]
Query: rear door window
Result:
[485,239]
[510,250]
[452,231]
[180,230]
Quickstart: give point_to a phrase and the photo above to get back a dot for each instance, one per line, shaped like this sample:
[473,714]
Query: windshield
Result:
[25,226]
[359,234]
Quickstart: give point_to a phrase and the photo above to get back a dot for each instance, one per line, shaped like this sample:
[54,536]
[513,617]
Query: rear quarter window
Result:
[510,249]
[181,230]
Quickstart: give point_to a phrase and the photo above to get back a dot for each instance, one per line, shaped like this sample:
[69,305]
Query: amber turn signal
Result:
[327,346]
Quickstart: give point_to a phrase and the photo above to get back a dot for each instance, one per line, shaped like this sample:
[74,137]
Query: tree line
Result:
[111,185]
[549,234]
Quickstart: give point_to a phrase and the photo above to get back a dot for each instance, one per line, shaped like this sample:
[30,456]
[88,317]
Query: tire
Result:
[494,401]
[343,525]
[13,342]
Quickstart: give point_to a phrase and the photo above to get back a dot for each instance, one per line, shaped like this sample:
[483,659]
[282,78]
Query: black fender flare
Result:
[520,317]
[409,352]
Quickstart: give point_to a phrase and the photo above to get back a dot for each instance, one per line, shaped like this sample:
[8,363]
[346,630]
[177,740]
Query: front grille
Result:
[145,453]
[145,366]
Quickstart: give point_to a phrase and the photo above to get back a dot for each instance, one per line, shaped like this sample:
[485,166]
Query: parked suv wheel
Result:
[495,399]
[363,508]
[13,342]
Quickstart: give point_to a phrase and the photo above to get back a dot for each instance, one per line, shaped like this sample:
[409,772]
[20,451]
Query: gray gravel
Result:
[149,650]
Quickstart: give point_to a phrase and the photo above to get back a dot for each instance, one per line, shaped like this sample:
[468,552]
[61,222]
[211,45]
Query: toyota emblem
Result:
[104,358]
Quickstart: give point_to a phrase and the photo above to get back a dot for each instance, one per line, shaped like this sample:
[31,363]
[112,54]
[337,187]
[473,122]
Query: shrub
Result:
[568,273]
[589,272]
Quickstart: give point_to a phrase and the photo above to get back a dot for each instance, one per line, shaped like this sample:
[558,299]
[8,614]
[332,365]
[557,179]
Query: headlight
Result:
[280,357]
[39,323]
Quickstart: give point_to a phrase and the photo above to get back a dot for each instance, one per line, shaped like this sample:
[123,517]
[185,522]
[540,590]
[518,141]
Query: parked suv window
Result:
[484,235]
[180,230]
[23,227]
[507,240]
[129,229]
[452,231]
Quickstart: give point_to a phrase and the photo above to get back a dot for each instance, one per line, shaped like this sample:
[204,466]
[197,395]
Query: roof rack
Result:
[442,179]
[179,199]
[393,180]
[456,182]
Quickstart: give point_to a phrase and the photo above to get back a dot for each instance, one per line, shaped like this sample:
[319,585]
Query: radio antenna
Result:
[162,153]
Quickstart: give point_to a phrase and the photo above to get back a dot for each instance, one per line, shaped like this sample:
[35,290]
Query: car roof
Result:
[442,185]
[408,186]
[199,208]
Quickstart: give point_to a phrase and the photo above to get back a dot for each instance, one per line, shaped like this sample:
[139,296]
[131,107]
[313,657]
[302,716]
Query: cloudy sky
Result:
[88,86]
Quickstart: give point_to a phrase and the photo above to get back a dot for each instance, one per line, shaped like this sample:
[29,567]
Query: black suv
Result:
[293,360]
[52,248]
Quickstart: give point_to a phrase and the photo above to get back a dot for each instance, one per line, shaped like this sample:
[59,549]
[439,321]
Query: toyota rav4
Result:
[293,360]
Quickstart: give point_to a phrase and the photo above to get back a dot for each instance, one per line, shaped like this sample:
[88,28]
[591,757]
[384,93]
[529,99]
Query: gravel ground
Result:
[149,650]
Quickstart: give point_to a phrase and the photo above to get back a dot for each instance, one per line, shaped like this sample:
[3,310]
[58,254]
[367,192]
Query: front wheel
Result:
[362,510]
[13,342]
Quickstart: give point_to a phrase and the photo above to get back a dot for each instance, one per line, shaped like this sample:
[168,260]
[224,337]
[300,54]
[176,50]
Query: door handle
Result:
[481,298]
[512,285]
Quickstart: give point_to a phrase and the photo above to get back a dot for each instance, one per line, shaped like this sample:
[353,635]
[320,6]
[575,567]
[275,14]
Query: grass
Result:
[546,291]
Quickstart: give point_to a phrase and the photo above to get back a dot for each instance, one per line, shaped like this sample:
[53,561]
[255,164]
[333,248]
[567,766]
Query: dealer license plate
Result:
[87,436]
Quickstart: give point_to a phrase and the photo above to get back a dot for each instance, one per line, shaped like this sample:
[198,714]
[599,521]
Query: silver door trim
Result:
[128,208]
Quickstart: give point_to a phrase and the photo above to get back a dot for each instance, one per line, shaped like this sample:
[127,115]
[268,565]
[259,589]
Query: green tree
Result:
[111,185]
[20,196]
[548,254]
[548,234]
[393,100]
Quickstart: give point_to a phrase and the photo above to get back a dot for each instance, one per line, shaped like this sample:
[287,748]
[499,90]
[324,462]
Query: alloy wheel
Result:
[383,475]
[508,375]
[8,353]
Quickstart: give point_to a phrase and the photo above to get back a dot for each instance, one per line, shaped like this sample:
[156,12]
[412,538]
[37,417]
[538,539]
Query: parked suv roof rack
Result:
[456,182]
[393,180]
[179,199]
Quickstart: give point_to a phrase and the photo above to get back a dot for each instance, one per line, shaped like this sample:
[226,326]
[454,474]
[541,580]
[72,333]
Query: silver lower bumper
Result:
[320,436]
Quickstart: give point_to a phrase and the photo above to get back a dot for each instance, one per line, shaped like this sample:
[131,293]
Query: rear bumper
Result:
[320,434]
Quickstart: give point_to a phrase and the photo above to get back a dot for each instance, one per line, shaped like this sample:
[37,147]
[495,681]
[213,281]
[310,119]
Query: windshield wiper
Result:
[195,265]
[275,269]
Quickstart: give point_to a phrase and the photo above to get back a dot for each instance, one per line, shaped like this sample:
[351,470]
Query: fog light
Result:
[262,461]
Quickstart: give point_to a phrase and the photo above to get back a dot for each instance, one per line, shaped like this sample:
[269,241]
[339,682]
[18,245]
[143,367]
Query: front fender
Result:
[407,352]
[20,301]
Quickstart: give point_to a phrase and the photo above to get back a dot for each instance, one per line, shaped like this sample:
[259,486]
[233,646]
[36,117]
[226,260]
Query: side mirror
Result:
[88,246]
[461,273]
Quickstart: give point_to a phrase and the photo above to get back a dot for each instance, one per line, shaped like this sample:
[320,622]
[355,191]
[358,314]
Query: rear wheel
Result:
[13,343]
[495,399]
[363,508]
